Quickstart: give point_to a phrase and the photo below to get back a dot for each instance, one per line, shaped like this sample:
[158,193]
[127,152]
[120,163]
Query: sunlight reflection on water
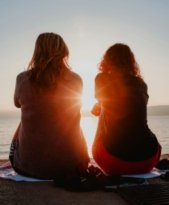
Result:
[158,124]
[89,125]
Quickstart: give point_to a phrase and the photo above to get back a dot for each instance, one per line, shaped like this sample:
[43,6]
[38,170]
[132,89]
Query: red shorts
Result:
[115,166]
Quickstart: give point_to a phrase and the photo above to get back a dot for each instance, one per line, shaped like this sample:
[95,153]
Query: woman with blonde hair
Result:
[123,144]
[49,142]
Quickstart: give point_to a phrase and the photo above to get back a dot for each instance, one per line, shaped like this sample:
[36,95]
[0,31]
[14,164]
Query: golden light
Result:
[89,125]
[88,99]
[88,121]
[87,71]
[87,102]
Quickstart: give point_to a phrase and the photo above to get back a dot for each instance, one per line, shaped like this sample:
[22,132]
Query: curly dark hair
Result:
[119,57]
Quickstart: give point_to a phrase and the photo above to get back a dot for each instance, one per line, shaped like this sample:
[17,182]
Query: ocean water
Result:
[158,124]
[8,124]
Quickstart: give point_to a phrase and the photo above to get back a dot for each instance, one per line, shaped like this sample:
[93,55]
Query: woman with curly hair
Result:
[123,144]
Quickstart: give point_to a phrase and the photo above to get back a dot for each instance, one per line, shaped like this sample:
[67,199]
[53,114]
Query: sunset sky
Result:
[88,27]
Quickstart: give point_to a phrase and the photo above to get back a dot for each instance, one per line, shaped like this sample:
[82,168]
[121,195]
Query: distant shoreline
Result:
[151,110]
[9,113]
[158,110]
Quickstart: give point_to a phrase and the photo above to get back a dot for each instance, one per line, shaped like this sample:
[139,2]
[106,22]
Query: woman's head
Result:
[49,59]
[119,58]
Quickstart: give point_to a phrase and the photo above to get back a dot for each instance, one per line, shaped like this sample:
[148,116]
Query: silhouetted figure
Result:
[123,144]
[49,142]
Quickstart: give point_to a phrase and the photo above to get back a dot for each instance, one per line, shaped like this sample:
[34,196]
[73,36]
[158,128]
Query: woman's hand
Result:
[96,109]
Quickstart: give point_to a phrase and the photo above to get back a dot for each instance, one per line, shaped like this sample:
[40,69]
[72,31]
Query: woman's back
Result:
[49,139]
[124,116]
[123,144]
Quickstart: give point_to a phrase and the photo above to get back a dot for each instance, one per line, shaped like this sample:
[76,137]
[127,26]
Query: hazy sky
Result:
[89,27]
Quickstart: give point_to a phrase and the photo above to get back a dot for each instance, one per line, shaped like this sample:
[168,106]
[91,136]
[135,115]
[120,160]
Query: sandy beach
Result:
[39,193]
[24,193]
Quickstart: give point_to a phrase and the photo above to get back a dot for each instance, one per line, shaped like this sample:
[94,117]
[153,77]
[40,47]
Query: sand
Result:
[39,193]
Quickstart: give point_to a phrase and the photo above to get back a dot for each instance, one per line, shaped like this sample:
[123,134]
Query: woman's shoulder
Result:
[22,79]
[137,84]
[72,76]
[102,78]
[141,83]
[75,75]
[22,75]
[135,81]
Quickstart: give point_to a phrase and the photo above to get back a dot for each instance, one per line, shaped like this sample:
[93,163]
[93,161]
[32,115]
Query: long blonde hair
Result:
[48,60]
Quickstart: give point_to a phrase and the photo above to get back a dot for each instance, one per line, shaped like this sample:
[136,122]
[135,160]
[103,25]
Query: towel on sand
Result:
[7,172]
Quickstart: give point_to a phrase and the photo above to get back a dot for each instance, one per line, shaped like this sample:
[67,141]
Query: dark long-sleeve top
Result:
[49,137]
[122,126]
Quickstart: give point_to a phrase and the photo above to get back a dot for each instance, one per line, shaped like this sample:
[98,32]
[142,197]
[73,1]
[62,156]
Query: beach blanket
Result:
[7,172]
